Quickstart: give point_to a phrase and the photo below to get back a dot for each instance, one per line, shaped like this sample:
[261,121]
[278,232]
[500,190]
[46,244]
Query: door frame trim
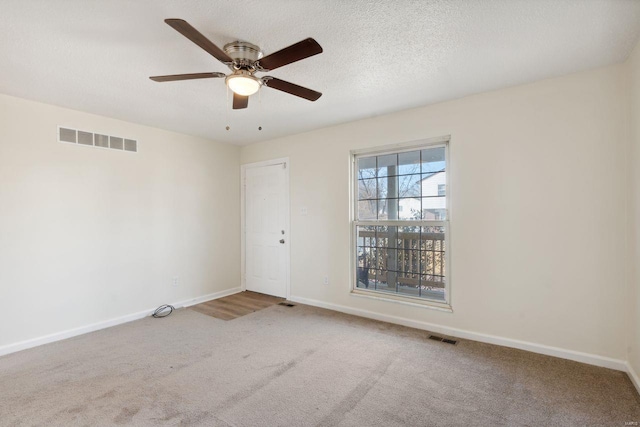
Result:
[287,212]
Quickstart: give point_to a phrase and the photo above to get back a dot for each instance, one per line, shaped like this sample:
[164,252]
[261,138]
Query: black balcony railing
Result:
[403,260]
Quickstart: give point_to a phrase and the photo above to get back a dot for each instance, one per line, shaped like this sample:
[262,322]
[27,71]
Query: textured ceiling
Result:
[379,56]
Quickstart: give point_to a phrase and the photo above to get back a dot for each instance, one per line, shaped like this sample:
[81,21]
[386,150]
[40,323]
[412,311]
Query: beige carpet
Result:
[299,366]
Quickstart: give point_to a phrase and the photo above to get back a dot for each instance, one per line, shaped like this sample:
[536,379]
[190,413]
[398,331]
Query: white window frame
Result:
[443,141]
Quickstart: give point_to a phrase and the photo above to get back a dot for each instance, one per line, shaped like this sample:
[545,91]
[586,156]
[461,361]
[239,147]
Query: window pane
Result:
[409,185]
[409,209]
[366,167]
[409,163]
[409,261]
[388,193]
[433,271]
[366,235]
[388,259]
[367,189]
[367,210]
[409,237]
[431,212]
[381,282]
[382,187]
[366,260]
[383,234]
[431,292]
[433,160]
[388,163]
[431,183]
[434,232]
[387,187]
[367,278]
[388,209]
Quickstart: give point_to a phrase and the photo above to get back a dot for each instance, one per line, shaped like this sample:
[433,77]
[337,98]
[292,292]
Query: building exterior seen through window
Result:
[401,223]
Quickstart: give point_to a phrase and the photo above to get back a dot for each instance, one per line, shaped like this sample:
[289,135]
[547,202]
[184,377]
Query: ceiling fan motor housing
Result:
[243,52]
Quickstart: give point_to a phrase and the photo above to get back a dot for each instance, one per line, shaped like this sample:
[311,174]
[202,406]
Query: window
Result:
[401,224]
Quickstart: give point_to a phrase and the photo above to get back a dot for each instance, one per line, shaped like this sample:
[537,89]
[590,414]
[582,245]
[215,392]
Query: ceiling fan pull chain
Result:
[260,116]
[226,110]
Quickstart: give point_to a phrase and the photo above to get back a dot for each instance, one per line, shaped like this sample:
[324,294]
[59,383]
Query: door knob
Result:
[282,241]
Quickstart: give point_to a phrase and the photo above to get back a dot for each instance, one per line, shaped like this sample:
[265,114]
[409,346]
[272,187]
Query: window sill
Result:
[432,305]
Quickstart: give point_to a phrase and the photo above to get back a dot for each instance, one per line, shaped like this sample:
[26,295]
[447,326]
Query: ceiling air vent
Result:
[82,137]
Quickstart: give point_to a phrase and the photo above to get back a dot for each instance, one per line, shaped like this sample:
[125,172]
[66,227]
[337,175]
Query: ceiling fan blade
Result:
[291,88]
[293,53]
[174,77]
[240,101]
[184,28]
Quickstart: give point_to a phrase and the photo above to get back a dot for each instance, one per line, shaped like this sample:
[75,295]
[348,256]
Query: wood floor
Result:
[236,305]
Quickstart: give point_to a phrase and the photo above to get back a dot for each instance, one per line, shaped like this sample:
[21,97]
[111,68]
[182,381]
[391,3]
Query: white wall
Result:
[634,214]
[88,234]
[533,257]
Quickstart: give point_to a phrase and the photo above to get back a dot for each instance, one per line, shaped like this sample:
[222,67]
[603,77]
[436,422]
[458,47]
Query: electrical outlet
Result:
[304,211]
[175,282]
[325,281]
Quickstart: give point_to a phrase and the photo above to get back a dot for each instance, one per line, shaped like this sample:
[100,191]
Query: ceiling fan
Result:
[245,59]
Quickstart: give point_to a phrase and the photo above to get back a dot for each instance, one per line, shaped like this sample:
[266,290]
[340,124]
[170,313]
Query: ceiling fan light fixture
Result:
[243,83]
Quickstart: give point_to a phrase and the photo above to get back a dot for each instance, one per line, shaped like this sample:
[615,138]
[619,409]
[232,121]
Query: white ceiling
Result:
[379,56]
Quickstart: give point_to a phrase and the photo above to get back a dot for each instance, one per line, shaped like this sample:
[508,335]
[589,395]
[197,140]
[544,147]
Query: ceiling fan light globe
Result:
[244,85]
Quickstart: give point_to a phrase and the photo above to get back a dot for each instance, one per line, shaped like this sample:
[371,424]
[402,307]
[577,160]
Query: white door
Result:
[267,229]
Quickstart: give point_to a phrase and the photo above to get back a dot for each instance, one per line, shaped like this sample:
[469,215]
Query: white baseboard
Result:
[591,359]
[208,297]
[57,336]
[633,375]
